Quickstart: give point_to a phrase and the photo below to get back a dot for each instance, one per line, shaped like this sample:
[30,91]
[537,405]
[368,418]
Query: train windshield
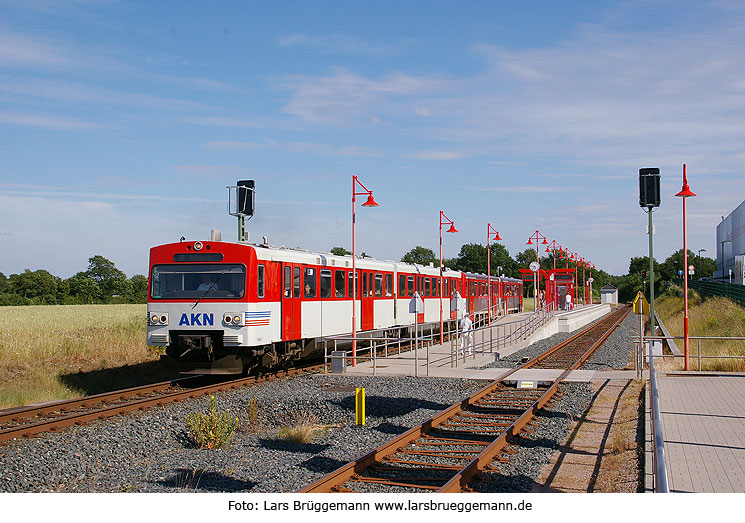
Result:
[201,280]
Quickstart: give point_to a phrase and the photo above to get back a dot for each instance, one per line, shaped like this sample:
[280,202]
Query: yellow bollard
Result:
[359,406]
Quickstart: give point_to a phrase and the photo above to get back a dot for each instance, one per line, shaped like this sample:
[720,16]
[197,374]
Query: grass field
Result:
[63,351]
[712,317]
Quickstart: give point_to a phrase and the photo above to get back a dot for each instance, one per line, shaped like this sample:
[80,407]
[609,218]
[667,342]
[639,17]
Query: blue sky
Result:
[122,123]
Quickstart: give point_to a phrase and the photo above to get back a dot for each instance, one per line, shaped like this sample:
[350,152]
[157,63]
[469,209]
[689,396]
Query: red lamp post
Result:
[369,203]
[489,230]
[451,229]
[536,281]
[685,193]
[552,248]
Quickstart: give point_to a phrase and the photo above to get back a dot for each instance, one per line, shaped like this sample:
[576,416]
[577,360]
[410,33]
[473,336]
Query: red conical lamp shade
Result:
[497,238]
[370,202]
[452,228]
[686,191]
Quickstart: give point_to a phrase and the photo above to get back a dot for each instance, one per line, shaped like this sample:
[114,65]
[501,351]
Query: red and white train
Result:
[225,307]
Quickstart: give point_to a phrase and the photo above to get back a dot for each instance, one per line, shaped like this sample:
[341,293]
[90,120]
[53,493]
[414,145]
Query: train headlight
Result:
[237,319]
[197,246]
[228,319]
[158,318]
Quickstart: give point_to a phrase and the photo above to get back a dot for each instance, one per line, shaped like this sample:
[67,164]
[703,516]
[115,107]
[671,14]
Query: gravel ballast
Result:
[150,451]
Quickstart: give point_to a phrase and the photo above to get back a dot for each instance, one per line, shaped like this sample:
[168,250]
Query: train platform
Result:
[438,361]
[703,428]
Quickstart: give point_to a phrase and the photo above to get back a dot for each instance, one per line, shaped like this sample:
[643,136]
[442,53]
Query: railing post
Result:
[374,358]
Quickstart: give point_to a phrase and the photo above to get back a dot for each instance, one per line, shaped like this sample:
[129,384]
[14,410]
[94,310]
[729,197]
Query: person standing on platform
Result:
[568,302]
[466,335]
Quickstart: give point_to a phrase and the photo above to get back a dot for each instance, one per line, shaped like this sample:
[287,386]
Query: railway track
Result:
[445,453]
[31,420]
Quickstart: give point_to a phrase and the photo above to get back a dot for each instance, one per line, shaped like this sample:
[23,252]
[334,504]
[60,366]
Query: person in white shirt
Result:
[207,284]
[568,302]
[466,339]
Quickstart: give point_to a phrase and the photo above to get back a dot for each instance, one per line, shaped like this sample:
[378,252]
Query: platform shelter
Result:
[559,283]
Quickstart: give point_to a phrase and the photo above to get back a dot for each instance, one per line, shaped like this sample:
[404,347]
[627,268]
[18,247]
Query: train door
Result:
[291,318]
[367,300]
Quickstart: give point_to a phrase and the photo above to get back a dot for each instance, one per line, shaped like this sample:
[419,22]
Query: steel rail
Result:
[464,476]
[18,413]
[78,418]
[333,481]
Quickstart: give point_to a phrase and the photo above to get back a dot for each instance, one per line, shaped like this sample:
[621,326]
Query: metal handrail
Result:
[524,329]
[698,356]
[659,448]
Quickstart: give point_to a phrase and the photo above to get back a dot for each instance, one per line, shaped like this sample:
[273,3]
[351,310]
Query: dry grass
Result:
[39,344]
[709,318]
[623,456]
[302,429]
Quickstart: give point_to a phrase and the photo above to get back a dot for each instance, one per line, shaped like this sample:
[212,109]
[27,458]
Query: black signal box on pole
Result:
[246,199]
[649,187]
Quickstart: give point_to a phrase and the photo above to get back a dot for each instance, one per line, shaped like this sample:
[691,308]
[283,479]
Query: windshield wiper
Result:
[212,287]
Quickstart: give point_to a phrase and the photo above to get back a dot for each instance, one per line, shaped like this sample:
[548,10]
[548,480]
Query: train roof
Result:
[268,252]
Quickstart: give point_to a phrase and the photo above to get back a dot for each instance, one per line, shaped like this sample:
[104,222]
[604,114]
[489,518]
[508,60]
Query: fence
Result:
[732,291]
[484,337]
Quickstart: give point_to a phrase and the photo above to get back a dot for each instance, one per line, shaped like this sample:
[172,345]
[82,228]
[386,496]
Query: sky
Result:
[123,123]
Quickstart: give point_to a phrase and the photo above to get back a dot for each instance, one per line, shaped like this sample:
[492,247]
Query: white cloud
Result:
[339,43]
[437,155]
[345,97]
[53,122]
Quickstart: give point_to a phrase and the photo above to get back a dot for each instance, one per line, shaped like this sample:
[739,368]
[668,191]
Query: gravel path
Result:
[150,452]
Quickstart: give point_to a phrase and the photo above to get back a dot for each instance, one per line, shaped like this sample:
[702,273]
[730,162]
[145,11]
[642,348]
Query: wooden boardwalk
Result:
[703,426]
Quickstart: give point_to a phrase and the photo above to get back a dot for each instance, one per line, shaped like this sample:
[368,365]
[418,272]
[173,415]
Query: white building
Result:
[609,295]
[731,246]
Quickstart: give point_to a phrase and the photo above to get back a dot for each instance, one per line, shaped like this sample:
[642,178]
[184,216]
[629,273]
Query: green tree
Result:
[500,257]
[39,286]
[340,251]
[524,259]
[84,288]
[110,280]
[472,258]
[420,255]
[139,288]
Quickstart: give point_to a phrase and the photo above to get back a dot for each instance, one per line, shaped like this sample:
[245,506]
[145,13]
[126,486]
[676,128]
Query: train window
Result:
[401,285]
[354,282]
[364,284]
[309,283]
[389,284]
[420,286]
[260,281]
[203,280]
[410,286]
[370,282]
[339,283]
[427,290]
[378,284]
[296,282]
[288,282]
[325,283]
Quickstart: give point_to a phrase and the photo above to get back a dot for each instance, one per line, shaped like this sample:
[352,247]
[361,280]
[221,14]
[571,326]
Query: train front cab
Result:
[198,294]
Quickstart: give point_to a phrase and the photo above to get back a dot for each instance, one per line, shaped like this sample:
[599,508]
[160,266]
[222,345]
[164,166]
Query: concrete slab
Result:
[438,360]
[703,427]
